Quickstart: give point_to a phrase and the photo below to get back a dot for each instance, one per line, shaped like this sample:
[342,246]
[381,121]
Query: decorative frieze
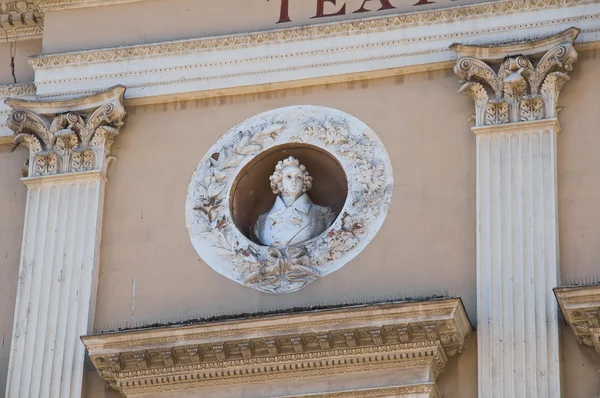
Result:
[58,269]
[20,20]
[72,141]
[283,347]
[517,232]
[526,84]
[580,306]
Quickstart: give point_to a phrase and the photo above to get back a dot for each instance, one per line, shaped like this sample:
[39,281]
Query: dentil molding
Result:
[414,340]
[317,53]
[20,20]
[580,306]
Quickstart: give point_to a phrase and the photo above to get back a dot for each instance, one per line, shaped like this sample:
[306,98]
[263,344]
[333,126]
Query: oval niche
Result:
[288,196]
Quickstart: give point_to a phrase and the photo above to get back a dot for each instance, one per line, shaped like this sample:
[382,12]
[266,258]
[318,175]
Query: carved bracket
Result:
[524,86]
[68,136]
[580,305]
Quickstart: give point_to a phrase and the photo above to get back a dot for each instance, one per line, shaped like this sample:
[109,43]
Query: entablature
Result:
[314,54]
[411,337]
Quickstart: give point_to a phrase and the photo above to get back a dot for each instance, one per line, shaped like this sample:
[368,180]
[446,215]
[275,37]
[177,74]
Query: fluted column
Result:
[69,143]
[515,88]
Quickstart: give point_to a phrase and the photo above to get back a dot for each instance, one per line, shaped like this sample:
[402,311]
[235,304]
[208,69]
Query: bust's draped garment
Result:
[284,226]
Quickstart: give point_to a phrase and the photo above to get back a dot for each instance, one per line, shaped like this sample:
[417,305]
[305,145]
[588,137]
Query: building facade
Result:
[297,199]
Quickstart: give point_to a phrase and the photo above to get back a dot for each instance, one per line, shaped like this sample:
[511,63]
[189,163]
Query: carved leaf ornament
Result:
[523,89]
[69,142]
[286,269]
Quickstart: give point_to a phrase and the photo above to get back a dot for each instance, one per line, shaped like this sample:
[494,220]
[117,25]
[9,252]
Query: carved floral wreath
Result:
[282,270]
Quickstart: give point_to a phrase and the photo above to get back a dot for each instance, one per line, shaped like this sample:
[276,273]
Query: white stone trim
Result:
[316,52]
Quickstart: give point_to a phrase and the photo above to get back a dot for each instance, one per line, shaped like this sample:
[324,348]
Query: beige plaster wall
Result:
[12,209]
[579,172]
[157,20]
[426,244]
[579,212]
[22,50]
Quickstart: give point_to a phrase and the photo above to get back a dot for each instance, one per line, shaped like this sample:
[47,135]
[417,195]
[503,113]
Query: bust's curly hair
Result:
[277,176]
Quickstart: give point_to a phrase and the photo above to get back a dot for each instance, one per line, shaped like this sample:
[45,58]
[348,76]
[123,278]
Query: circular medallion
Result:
[288,196]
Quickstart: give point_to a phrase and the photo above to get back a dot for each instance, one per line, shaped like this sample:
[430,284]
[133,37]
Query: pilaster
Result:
[69,150]
[515,88]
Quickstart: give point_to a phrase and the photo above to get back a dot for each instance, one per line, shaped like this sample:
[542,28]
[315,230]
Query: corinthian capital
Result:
[68,136]
[516,82]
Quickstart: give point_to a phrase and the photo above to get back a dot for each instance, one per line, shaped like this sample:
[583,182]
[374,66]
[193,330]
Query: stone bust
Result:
[294,218]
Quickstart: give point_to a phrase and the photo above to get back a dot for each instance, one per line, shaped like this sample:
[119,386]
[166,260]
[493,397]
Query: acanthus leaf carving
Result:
[67,141]
[525,88]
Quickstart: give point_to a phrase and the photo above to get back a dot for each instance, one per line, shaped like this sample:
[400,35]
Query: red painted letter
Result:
[423,2]
[321,9]
[385,5]
[284,12]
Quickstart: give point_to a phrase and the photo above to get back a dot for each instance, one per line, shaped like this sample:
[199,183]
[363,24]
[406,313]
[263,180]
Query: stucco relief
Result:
[283,267]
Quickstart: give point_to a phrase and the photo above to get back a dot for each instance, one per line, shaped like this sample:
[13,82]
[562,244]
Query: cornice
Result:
[20,20]
[61,5]
[284,347]
[328,30]
[580,306]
